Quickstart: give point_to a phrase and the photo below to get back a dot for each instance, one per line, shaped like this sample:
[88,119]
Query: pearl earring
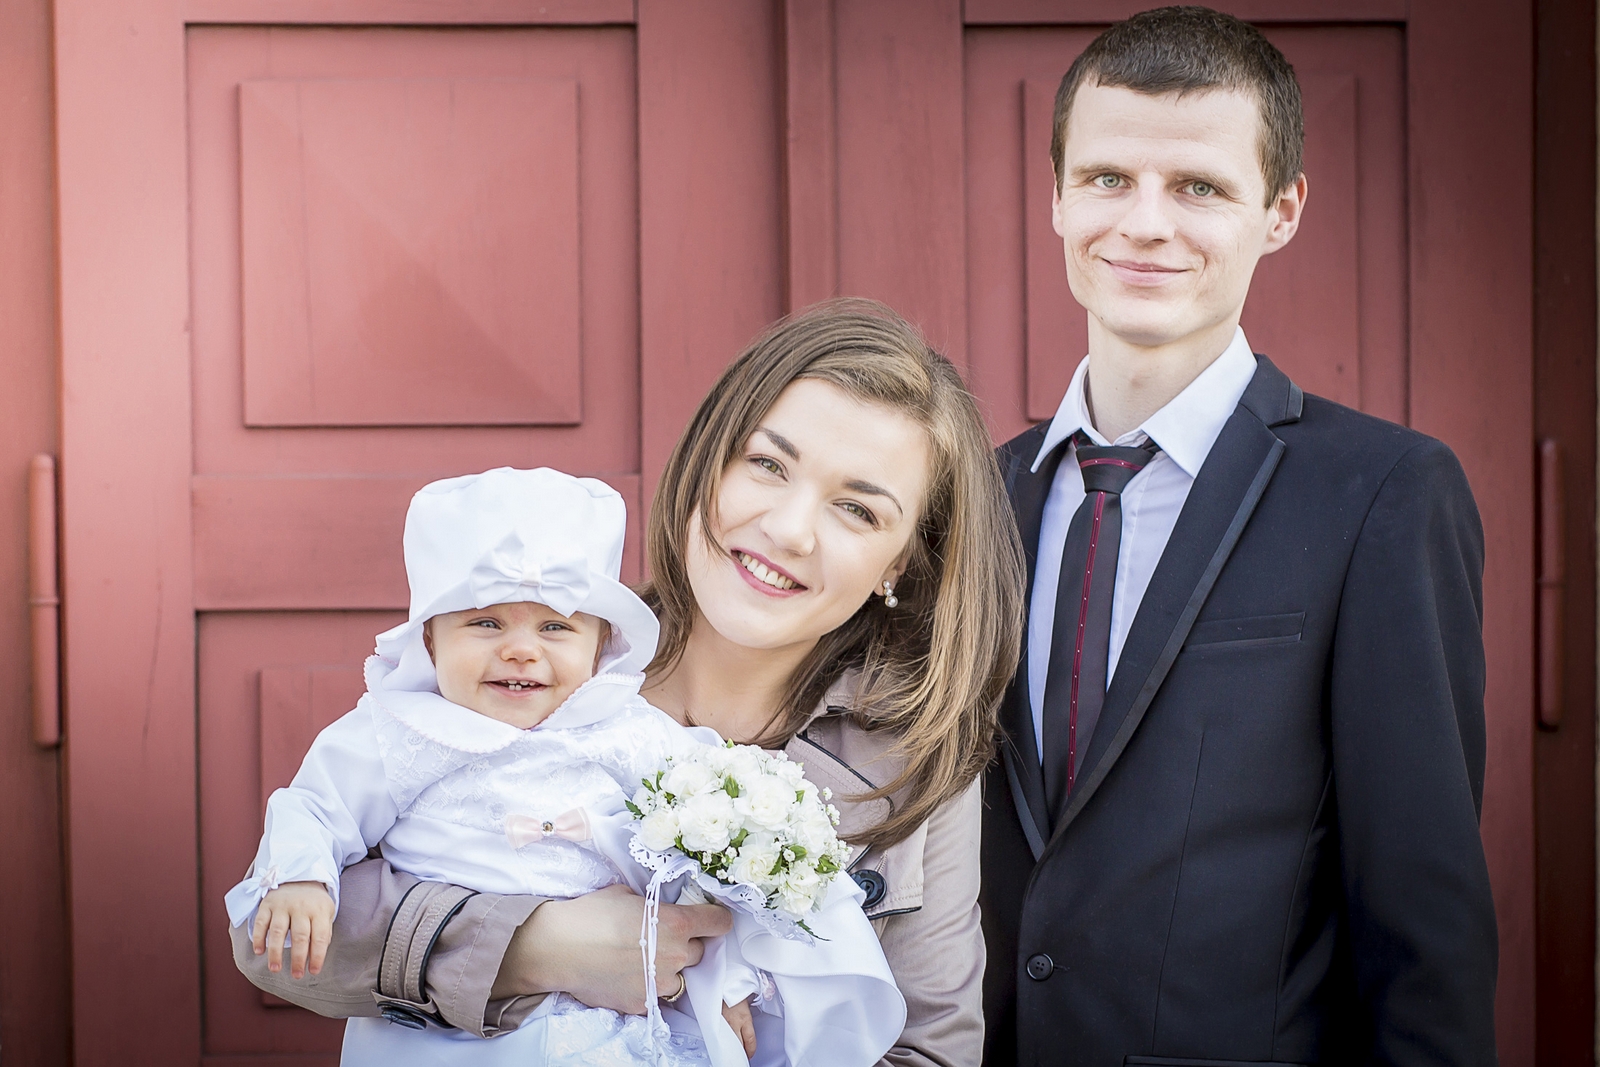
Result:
[889,599]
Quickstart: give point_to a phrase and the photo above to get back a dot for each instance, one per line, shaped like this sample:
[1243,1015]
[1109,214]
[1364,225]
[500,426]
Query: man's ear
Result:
[427,640]
[1057,223]
[1285,215]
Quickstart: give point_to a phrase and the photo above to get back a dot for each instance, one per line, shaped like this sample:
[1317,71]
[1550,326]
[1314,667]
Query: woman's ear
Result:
[427,640]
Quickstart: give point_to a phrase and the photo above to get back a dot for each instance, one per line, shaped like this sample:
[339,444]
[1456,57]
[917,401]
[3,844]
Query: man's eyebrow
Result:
[857,486]
[782,443]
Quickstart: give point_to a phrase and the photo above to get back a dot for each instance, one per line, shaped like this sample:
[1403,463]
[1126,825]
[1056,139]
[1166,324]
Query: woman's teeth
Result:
[764,573]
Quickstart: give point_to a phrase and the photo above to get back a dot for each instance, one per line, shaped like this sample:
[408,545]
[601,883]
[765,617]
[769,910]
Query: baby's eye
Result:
[487,624]
[553,627]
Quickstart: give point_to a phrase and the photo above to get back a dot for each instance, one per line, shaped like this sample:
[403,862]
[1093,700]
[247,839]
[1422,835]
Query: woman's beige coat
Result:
[420,952]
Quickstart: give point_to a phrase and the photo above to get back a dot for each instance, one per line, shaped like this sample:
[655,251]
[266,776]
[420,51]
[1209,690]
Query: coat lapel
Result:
[1224,496]
[1019,748]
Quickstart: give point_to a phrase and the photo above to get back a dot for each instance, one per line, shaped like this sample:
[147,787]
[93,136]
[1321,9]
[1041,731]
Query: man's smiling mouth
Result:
[763,573]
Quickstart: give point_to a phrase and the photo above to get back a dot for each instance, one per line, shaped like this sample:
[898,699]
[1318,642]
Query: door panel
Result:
[437,293]
[268,682]
[1329,308]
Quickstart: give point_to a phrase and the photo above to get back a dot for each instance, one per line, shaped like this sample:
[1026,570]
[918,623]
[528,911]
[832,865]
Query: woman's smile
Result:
[764,575]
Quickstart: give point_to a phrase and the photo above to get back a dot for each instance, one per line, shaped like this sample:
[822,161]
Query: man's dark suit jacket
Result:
[1271,854]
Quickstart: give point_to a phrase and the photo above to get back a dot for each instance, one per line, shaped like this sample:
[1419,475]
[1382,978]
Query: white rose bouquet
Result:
[749,820]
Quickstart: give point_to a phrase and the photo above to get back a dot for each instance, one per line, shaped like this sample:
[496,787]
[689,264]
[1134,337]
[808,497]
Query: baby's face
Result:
[513,662]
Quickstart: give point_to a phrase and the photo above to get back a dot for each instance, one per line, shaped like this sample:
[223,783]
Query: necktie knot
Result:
[1109,468]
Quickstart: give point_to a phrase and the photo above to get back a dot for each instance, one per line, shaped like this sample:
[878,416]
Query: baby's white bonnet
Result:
[506,536]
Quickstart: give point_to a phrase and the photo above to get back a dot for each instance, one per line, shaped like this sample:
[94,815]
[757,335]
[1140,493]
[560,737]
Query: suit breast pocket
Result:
[1251,631]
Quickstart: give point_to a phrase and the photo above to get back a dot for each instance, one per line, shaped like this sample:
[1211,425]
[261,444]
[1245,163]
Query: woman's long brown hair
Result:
[935,667]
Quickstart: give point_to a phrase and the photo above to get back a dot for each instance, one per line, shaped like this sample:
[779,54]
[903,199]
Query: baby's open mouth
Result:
[518,686]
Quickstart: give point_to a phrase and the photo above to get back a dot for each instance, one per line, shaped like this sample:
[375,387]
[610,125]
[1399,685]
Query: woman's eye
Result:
[860,512]
[1108,181]
[768,464]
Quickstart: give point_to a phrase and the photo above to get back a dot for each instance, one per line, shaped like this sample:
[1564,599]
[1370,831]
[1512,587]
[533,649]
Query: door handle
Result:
[44,602]
[1552,631]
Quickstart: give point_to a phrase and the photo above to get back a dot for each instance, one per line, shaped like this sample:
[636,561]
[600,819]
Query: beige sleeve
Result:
[937,952]
[409,950]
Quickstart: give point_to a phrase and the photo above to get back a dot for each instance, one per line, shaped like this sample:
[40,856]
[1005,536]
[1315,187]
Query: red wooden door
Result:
[316,254]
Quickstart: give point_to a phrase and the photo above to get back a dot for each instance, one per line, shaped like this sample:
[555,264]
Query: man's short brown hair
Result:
[1191,50]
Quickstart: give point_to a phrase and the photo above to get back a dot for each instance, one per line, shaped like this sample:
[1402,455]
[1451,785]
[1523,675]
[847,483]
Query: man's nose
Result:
[1148,219]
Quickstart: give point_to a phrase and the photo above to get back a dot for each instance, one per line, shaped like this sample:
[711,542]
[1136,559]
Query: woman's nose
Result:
[790,524]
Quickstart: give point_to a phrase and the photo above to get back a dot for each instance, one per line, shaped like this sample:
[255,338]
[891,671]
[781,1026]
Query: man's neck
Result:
[1128,383]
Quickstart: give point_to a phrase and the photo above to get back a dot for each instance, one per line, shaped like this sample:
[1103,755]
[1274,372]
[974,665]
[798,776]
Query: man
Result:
[1235,820]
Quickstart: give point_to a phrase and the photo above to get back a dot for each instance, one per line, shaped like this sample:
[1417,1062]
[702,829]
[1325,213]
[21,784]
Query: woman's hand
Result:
[588,947]
[304,912]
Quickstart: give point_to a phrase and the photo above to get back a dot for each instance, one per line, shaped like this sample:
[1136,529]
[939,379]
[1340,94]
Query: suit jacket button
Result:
[1040,967]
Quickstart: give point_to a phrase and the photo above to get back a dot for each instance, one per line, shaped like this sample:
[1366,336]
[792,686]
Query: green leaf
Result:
[738,838]
[825,864]
[637,814]
[799,852]
[730,786]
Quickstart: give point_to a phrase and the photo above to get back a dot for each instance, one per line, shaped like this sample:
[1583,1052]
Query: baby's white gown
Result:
[432,784]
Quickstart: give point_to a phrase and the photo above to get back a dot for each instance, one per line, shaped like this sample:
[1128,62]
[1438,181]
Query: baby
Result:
[500,718]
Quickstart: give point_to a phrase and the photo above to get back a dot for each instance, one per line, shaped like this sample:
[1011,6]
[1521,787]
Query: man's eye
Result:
[1202,188]
[1108,181]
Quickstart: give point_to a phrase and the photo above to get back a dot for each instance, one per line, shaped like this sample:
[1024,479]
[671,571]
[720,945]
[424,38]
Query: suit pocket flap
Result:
[1249,630]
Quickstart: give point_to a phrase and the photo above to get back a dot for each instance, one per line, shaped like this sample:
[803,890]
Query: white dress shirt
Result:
[1185,429]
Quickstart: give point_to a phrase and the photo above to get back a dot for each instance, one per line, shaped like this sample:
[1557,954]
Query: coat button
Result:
[412,1020]
[1040,967]
[873,885]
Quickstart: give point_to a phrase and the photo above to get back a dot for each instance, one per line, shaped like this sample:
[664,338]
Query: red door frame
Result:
[729,238]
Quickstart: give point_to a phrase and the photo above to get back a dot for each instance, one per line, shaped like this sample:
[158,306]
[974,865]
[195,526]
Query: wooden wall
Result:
[34,1028]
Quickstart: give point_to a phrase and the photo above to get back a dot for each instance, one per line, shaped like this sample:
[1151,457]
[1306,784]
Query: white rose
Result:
[757,857]
[688,777]
[659,830]
[798,892]
[706,821]
[814,832]
[746,763]
[765,802]
[644,800]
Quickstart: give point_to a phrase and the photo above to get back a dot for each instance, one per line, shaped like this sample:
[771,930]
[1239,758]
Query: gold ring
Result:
[683,984]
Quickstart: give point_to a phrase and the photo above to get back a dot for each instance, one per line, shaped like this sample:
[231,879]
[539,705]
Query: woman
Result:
[837,574]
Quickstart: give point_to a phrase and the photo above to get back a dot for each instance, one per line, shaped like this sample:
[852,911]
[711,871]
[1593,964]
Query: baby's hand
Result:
[304,911]
[738,1016]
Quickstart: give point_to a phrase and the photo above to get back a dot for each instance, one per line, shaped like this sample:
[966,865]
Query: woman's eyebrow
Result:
[869,488]
[782,443]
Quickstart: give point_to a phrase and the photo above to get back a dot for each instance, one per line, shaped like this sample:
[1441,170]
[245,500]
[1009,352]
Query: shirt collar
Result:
[1189,424]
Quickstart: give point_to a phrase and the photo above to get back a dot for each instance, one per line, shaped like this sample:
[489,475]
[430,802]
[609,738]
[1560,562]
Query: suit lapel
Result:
[1019,748]
[1224,496]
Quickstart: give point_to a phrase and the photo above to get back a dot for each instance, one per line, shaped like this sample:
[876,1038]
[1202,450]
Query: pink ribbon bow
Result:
[525,829]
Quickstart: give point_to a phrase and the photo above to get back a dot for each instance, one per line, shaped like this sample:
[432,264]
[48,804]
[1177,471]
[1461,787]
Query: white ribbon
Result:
[681,864]
[562,583]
